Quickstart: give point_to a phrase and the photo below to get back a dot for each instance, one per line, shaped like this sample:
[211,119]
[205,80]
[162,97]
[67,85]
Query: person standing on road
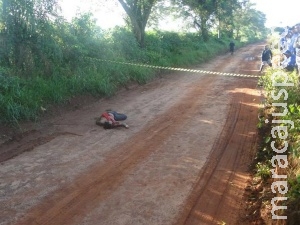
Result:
[231,47]
[266,57]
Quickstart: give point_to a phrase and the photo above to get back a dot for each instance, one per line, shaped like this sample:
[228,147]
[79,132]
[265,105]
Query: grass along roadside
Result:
[26,98]
[277,175]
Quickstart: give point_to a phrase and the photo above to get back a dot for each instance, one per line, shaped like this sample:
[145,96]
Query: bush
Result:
[82,59]
[292,113]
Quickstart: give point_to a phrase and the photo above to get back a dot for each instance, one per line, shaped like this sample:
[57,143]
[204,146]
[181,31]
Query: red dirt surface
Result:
[184,159]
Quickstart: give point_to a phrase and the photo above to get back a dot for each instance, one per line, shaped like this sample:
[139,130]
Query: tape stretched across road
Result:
[177,69]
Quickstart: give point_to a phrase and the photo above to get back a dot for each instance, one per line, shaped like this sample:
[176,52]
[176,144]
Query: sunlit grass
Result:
[83,70]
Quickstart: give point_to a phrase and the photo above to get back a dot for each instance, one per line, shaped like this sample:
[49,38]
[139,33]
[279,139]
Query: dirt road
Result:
[183,160]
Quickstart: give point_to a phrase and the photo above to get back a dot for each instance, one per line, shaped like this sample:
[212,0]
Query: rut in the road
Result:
[215,193]
[97,183]
[183,161]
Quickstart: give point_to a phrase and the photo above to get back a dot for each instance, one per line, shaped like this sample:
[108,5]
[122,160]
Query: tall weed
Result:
[293,138]
[81,67]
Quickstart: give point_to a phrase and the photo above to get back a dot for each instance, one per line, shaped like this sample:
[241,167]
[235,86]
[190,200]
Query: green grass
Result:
[24,98]
[293,138]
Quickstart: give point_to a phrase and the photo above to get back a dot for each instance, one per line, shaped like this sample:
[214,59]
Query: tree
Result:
[24,28]
[225,16]
[138,12]
[210,13]
[202,12]
[249,23]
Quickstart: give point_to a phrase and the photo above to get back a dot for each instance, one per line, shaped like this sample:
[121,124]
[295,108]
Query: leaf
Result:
[292,108]
[267,140]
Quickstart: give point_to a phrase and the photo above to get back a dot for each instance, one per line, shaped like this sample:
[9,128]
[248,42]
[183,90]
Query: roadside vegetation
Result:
[46,60]
[25,97]
[282,104]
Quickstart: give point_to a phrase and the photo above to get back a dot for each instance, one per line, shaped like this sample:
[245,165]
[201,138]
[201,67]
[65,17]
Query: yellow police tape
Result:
[177,69]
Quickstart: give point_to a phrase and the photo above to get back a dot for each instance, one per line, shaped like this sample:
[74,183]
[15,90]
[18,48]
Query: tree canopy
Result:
[34,35]
[25,29]
[138,12]
[207,16]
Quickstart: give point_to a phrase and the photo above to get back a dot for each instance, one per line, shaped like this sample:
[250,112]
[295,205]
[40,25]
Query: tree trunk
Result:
[204,30]
[138,30]
[138,12]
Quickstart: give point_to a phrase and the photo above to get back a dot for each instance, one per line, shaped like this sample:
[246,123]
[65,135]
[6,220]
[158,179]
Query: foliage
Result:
[233,19]
[263,170]
[46,60]
[138,12]
[279,29]
[24,34]
[294,184]
[82,70]
[249,24]
[292,114]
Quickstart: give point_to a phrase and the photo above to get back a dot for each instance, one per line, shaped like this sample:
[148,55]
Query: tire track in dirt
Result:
[70,203]
[217,195]
[213,194]
[96,184]
[34,140]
